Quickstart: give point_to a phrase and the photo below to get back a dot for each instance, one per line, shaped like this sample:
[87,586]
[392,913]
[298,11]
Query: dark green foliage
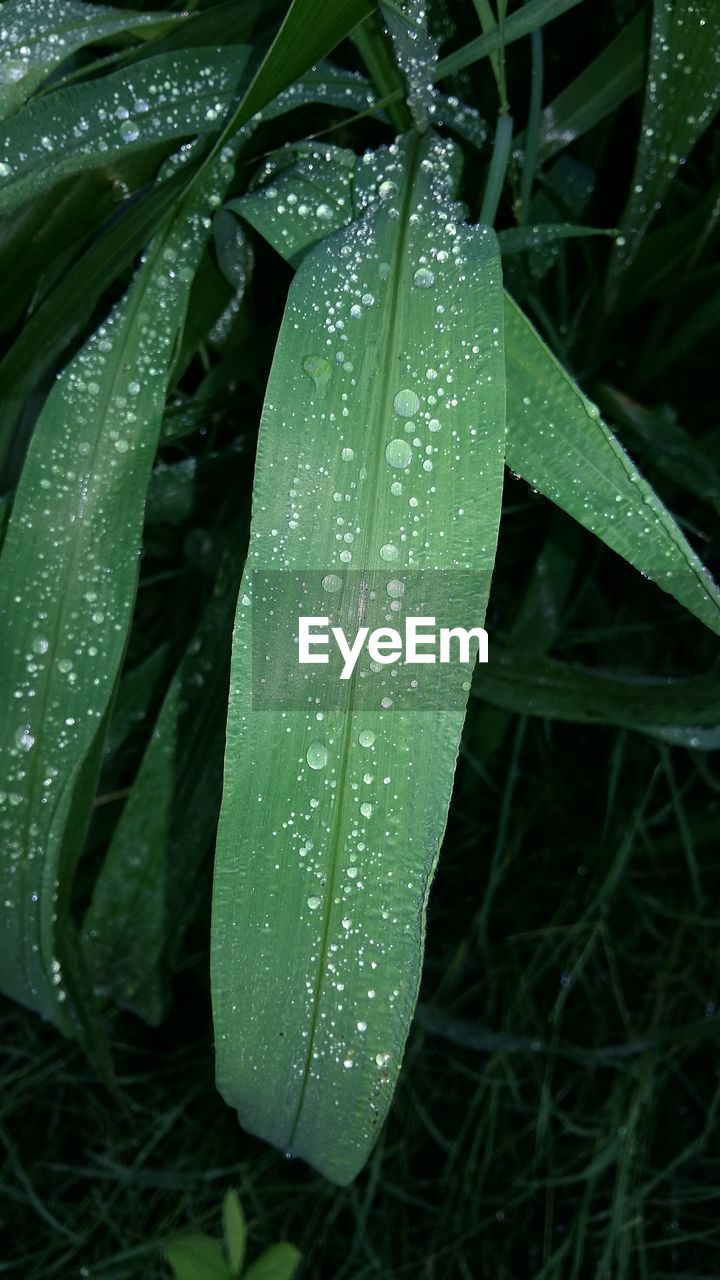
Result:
[556,1115]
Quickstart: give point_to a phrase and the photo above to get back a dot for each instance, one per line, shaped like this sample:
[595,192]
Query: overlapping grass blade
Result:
[681,99]
[67,575]
[38,35]
[532,15]
[158,100]
[600,89]
[133,929]
[330,827]
[539,686]
[559,444]
[67,309]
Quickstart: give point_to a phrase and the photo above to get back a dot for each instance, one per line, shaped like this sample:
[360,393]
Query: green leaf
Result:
[68,576]
[67,308]
[416,54]
[559,444]
[311,30]
[37,35]
[681,99]
[145,890]
[520,239]
[534,14]
[600,89]
[197,1257]
[158,100]
[234,1231]
[540,686]
[279,1262]
[318,915]
[547,450]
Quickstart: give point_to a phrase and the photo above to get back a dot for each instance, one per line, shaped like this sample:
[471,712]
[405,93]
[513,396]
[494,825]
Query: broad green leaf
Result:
[681,99]
[234,1231]
[145,890]
[67,576]
[197,1257]
[37,35]
[279,1262]
[158,100]
[318,915]
[559,444]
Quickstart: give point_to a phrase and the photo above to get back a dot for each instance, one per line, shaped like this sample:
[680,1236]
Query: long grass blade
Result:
[330,828]
[38,35]
[682,97]
[558,442]
[68,575]
[159,100]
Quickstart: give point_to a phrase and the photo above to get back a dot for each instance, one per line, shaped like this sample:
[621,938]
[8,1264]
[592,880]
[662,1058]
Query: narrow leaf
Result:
[158,100]
[145,890]
[234,1231]
[559,444]
[330,829]
[601,88]
[534,14]
[68,575]
[681,99]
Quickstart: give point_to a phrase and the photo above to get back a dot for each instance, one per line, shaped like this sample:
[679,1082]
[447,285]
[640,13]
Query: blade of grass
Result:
[160,100]
[68,575]
[133,929]
[600,89]
[559,444]
[535,14]
[37,35]
[681,99]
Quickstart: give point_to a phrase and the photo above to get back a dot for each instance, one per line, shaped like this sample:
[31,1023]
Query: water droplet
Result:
[331,582]
[129,131]
[366,738]
[40,645]
[406,403]
[387,190]
[398,453]
[382,1059]
[317,755]
[24,738]
[313,903]
[324,212]
[395,588]
[347,455]
[319,369]
[423,279]
[389,551]
[366,809]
